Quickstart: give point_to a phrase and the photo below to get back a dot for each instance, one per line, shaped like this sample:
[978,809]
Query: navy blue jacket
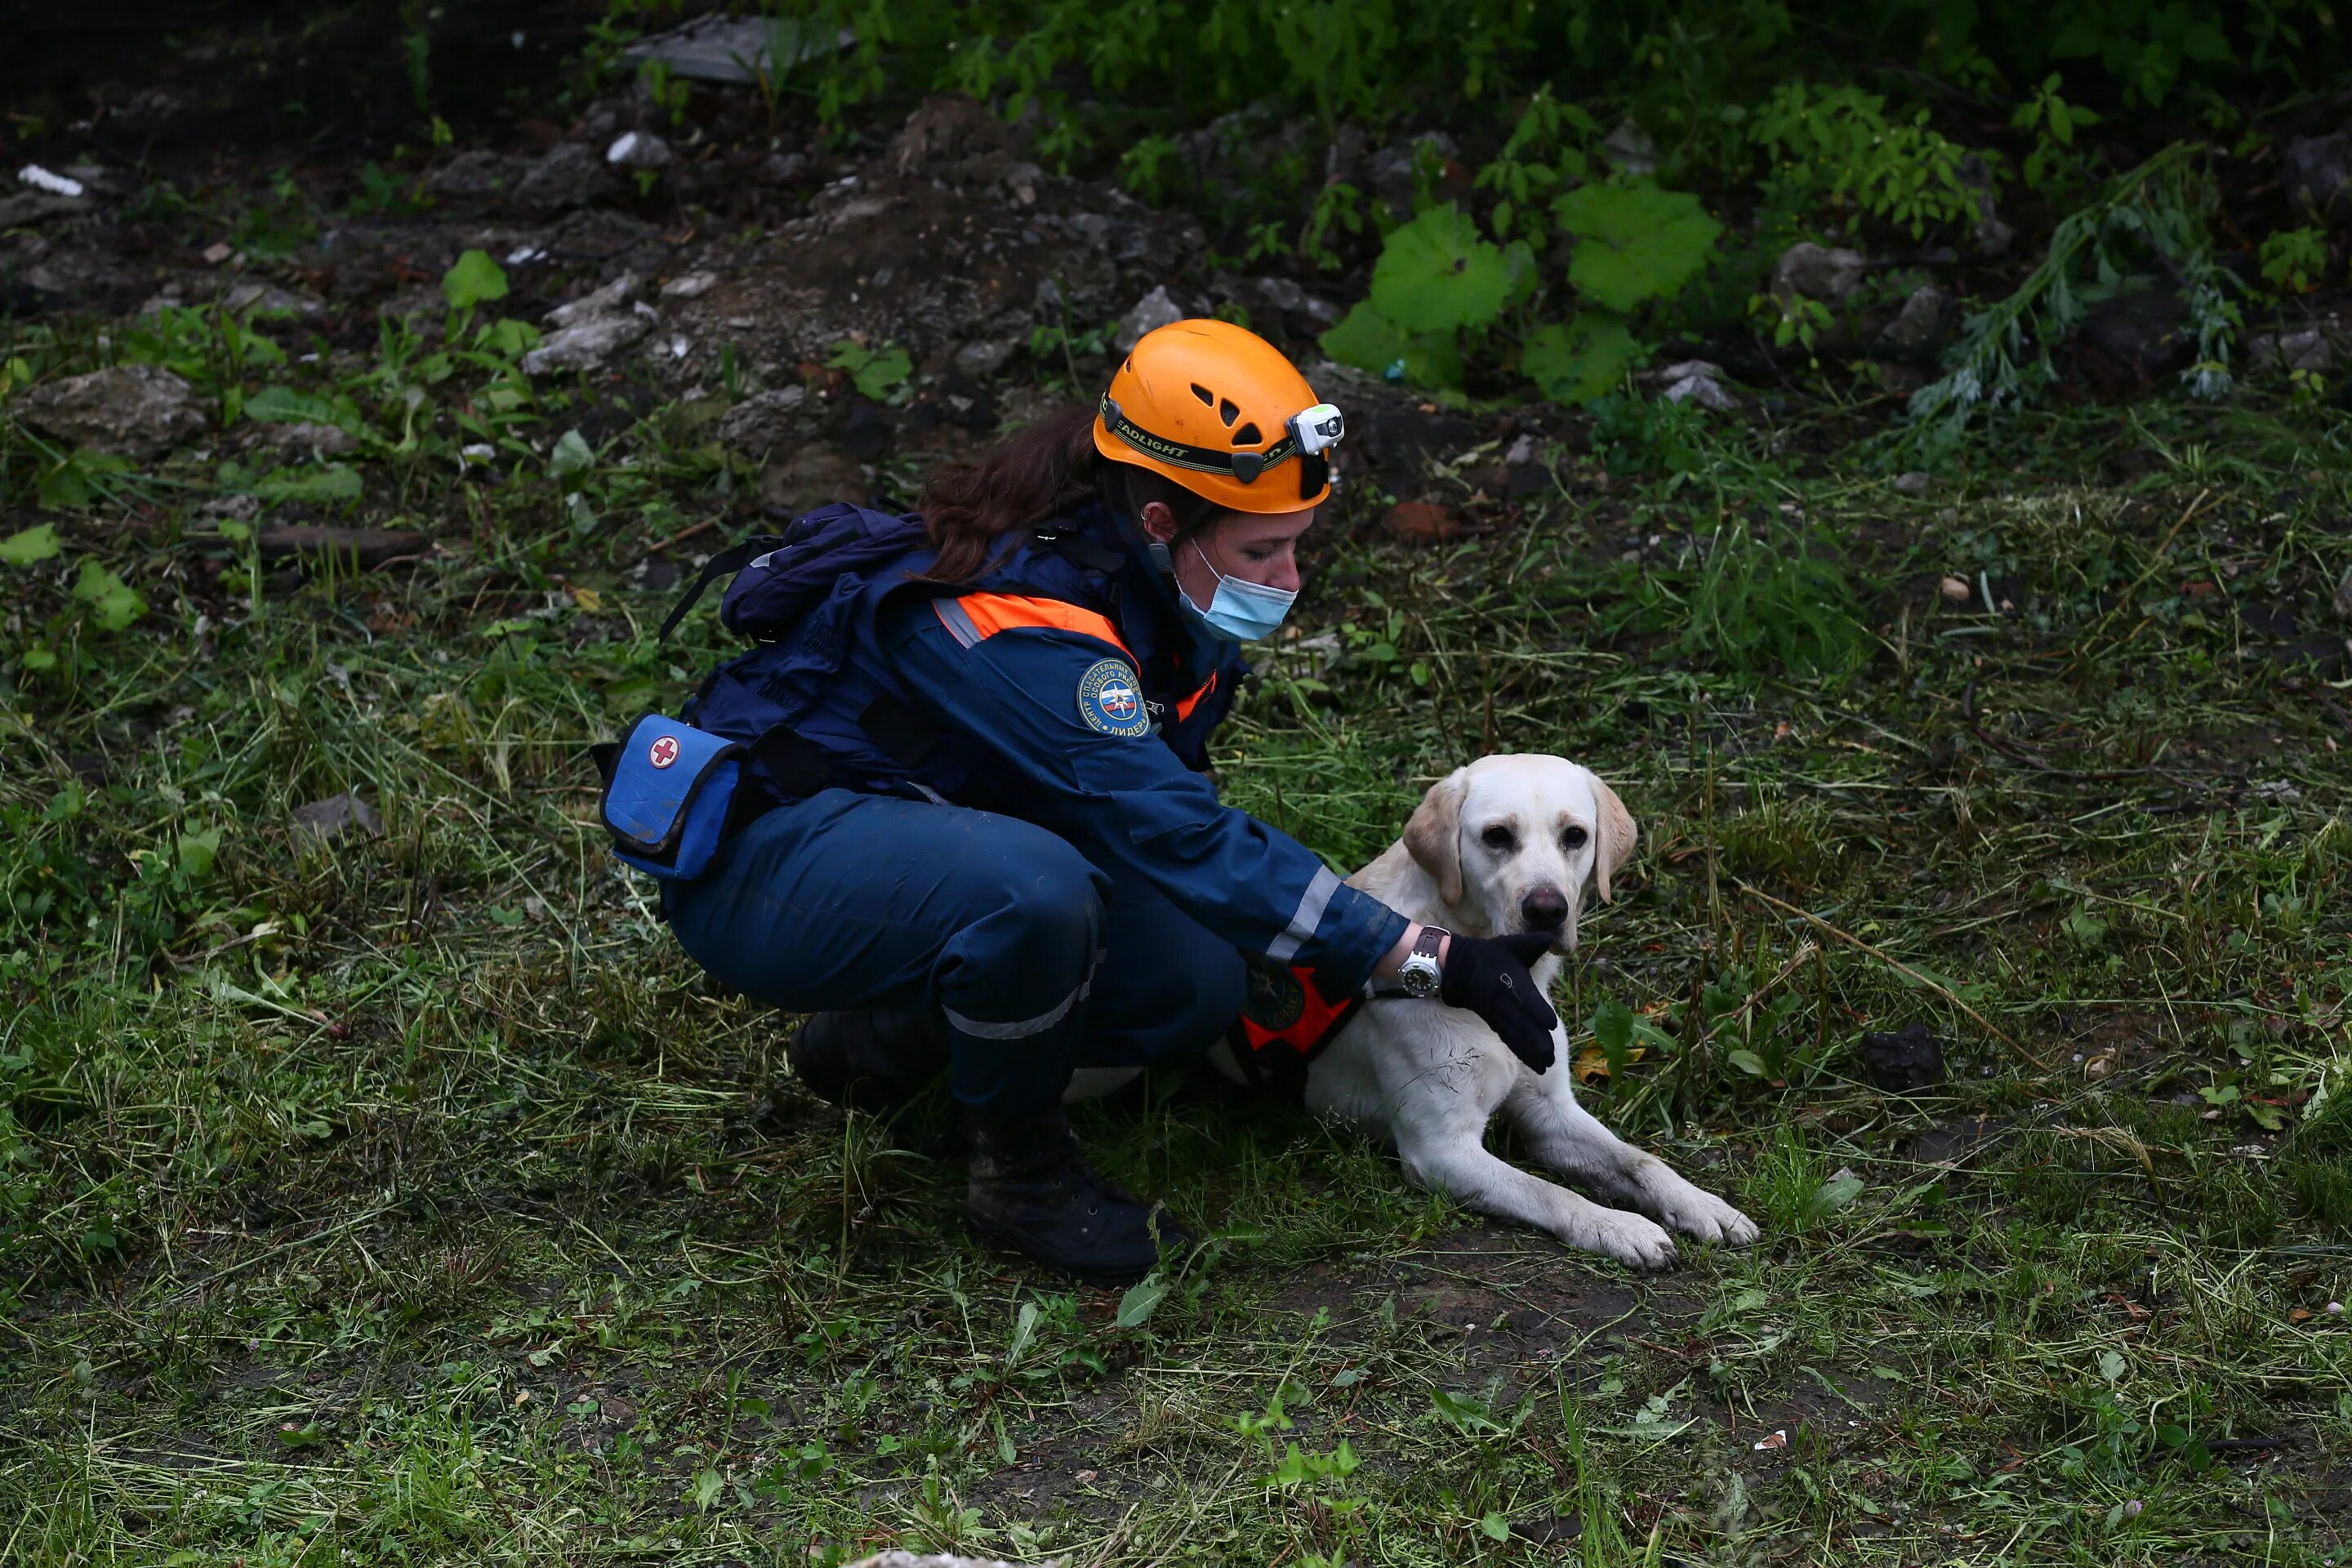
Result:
[1062,687]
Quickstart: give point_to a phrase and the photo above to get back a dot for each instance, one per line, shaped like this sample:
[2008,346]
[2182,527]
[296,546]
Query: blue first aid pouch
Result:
[667,800]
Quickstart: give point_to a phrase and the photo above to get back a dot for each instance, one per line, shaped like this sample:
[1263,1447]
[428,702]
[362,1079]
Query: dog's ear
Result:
[1434,836]
[1616,838]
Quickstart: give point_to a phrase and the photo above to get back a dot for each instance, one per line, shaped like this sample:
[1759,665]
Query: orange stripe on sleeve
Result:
[1184,706]
[974,617]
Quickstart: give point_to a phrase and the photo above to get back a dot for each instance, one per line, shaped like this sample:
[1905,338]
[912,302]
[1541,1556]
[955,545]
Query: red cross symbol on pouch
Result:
[664,752]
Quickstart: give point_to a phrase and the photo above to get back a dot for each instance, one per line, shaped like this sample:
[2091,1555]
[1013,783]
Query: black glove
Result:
[1488,975]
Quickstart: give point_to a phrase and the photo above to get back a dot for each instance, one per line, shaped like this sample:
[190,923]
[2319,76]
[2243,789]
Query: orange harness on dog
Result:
[1287,1022]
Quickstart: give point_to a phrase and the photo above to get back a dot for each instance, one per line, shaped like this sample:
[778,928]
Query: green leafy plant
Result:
[880,373]
[2053,122]
[2164,208]
[1837,147]
[2295,259]
[1634,243]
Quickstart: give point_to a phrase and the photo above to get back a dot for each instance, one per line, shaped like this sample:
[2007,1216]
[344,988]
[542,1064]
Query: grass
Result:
[410,1198]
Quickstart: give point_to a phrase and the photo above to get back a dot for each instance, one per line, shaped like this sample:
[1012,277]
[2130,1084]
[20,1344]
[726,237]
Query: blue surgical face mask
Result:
[1242,610]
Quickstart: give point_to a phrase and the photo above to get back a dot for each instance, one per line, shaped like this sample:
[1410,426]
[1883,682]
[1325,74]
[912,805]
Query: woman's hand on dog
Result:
[1488,975]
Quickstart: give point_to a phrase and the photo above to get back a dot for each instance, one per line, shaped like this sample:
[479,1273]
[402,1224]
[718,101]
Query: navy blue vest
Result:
[817,699]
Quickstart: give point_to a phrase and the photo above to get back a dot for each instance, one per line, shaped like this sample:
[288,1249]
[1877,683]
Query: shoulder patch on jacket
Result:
[1110,700]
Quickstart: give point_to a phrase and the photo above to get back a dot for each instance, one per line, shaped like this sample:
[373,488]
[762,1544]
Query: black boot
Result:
[1032,1191]
[866,1058]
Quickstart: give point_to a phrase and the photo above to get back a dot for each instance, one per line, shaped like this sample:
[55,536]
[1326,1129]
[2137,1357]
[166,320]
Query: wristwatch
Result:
[1420,973]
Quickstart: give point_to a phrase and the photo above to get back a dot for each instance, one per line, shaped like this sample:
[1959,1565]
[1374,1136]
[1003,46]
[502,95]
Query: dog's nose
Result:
[1546,908]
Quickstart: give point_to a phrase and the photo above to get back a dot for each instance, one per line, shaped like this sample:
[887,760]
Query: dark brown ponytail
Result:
[1047,471]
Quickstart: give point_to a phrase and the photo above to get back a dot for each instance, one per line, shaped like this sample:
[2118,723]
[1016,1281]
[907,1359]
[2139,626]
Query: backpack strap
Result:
[1085,552]
[727,562]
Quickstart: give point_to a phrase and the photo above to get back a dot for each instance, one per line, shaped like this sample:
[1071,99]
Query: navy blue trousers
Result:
[1040,961]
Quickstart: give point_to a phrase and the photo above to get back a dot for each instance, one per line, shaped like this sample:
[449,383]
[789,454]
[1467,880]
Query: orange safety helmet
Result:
[1217,408]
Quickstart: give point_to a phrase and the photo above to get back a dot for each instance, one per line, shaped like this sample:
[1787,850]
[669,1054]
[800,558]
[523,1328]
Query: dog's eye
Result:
[1572,837]
[1499,837]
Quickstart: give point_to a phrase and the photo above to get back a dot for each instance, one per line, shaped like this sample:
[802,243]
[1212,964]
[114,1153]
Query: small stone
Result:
[1901,1061]
[133,410]
[570,176]
[1955,590]
[1817,273]
[1694,381]
[2306,350]
[638,150]
[472,175]
[612,298]
[1421,522]
[587,345]
[2316,174]
[1149,314]
[783,168]
[1632,150]
[220,250]
[307,436]
[1918,327]
[689,286]
[760,422]
[1914,483]
[322,821]
[985,357]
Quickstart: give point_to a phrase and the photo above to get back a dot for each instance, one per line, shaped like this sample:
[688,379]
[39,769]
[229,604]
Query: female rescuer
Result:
[978,736]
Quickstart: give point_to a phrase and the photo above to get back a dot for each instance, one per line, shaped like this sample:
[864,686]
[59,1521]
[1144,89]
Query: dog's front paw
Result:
[1705,1217]
[1636,1242]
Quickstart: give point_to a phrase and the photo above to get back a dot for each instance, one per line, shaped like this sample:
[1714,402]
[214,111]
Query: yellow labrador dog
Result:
[1508,844]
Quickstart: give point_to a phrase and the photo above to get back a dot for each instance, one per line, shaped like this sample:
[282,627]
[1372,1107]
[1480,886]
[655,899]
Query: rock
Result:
[947,128]
[2312,350]
[31,206]
[2139,335]
[737,49]
[587,345]
[689,286]
[570,176]
[2315,172]
[1900,377]
[1693,381]
[759,424]
[1917,330]
[985,356]
[1149,314]
[1817,273]
[250,297]
[371,547]
[1631,150]
[323,821]
[1394,176]
[1955,590]
[1990,236]
[783,168]
[812,475]
[1902,1061]
[1914,483]
[318,440]
[132,410]
[638,150]
[471,176]
[611,300]
[1292,301]
[1421,522]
